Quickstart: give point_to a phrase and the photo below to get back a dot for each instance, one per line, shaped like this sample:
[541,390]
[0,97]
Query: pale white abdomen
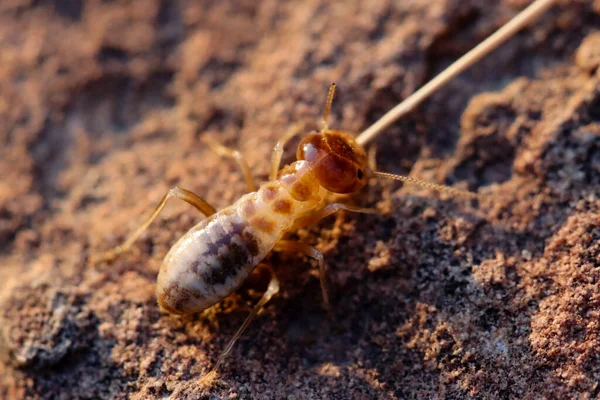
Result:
[215,257]
[208,263]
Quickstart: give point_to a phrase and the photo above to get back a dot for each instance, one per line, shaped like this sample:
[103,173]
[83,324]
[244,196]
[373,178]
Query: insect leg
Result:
[327,211]
[298,247]
[278,150]
[272,290]
[183,194]
[236,155]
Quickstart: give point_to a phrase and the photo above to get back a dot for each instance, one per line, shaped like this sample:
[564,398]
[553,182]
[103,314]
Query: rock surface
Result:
[102,108]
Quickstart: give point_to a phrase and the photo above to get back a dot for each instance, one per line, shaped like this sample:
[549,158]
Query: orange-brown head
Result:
[336,160]
[339,163]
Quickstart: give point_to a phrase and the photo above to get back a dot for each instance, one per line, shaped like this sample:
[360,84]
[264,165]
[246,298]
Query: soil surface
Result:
[103,105]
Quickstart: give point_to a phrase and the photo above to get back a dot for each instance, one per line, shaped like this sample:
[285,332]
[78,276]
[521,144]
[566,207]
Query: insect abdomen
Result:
[215,257]
[208,263]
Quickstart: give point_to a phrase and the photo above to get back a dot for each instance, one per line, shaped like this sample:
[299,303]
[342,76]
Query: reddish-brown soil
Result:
[102,108]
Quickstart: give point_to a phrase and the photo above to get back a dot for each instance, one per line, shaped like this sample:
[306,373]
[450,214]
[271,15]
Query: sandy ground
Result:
[102,108]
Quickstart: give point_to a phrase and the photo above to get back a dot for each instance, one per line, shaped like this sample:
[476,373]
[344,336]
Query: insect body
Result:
[217,255]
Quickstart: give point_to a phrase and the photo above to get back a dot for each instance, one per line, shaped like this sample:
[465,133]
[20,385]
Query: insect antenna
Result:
[328,106]
[440,188]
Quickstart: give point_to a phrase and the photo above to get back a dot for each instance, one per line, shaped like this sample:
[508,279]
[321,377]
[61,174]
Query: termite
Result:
[215,257]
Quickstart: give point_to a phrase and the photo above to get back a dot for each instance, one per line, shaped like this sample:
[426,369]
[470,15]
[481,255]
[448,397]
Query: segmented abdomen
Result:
[208,263]
[217,255]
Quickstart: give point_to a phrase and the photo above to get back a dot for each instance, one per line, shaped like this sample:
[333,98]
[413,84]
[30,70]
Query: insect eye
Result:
[359,174]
